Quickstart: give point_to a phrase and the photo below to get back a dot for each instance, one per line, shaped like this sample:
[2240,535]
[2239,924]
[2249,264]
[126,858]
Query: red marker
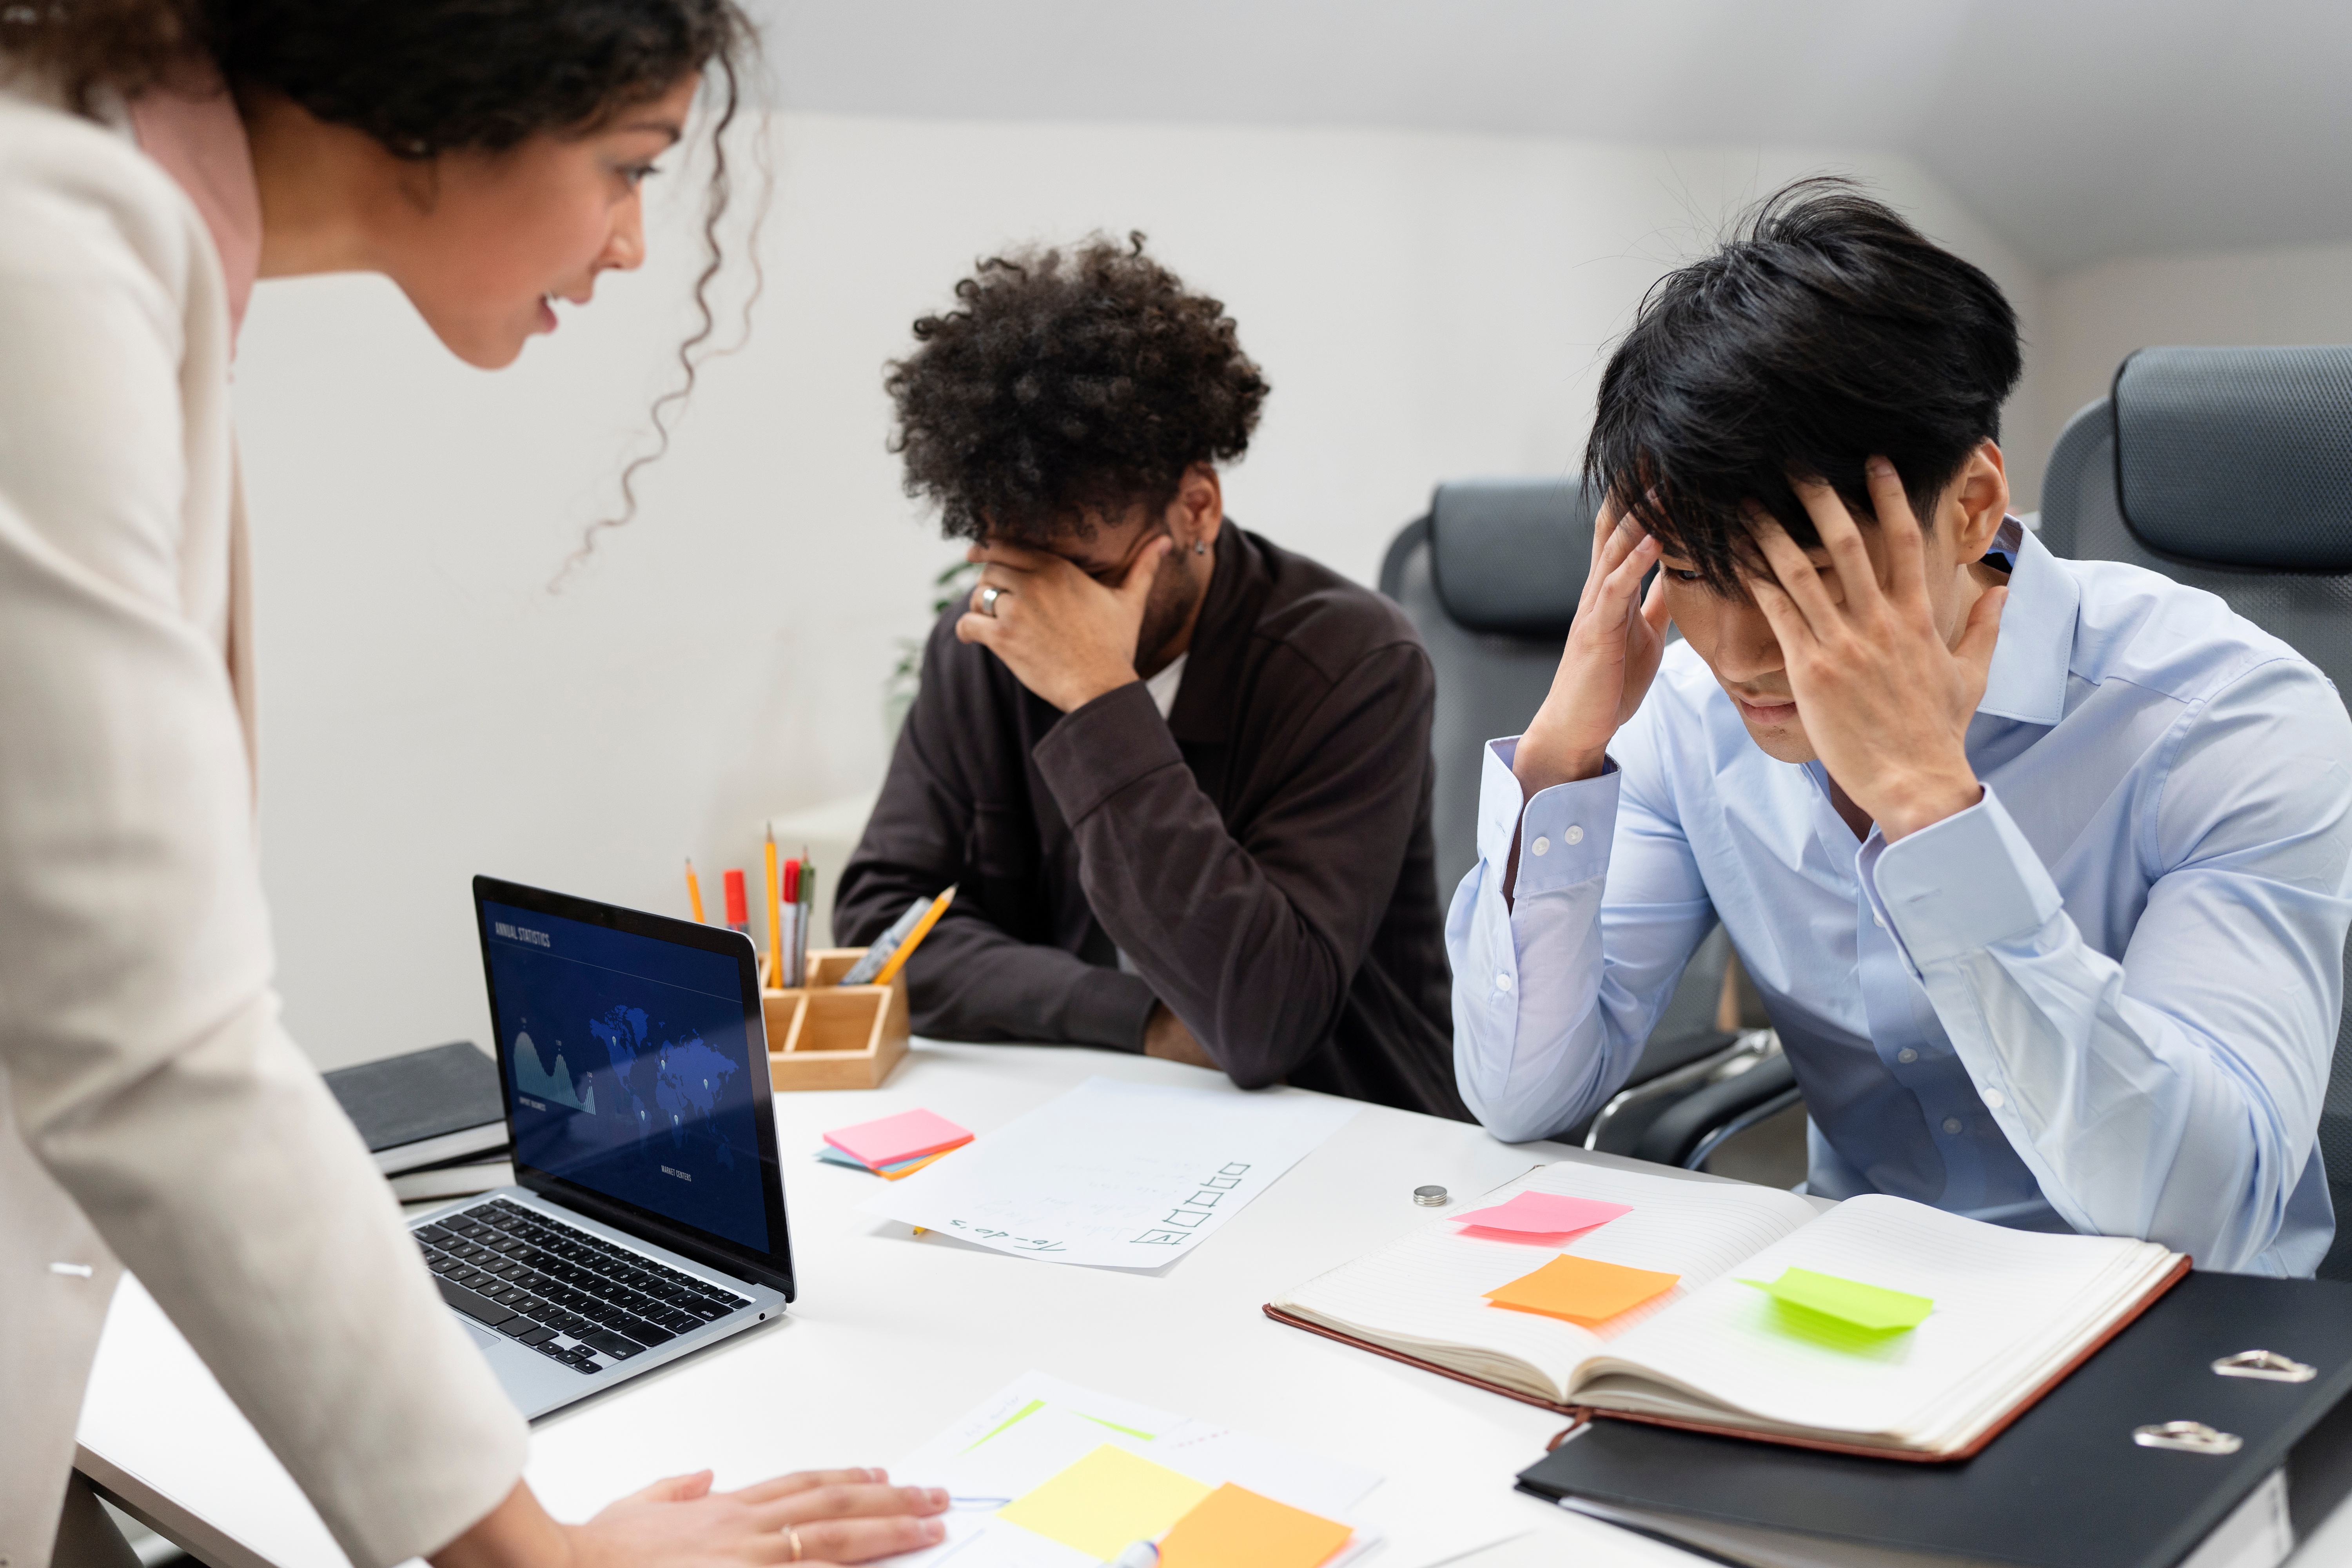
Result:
[739,906]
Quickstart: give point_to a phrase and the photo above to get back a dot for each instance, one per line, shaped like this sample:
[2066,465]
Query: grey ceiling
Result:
[2082,130]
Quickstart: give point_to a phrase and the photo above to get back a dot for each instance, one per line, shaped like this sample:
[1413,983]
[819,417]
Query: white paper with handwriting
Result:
[1036,1426]
[1117,1175]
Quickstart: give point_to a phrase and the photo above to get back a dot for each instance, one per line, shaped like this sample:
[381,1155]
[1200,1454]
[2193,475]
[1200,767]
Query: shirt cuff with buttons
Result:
[1565,830]
[1960,885]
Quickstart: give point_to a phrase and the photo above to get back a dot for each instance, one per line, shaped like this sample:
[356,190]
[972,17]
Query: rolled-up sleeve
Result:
[2175,1095]
[1557,984]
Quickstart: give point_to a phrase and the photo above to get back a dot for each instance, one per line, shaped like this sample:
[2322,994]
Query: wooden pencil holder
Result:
[826,1035]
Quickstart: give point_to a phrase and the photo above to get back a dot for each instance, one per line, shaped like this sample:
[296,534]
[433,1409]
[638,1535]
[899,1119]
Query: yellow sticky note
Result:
[1870,1307]
[1235,1528]
[1106,1502]
[1582,1289]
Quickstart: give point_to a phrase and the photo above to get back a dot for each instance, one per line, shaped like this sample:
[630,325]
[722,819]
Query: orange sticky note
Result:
[900,1173]
[1582,1289]
[1234,1526]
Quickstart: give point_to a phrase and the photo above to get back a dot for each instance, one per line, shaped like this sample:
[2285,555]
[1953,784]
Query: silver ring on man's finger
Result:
[988,598]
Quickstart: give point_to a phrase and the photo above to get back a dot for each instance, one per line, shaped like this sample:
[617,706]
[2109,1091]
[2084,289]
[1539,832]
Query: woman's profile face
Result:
[495,238]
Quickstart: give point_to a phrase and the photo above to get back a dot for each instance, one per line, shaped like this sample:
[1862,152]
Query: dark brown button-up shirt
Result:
[1263,856]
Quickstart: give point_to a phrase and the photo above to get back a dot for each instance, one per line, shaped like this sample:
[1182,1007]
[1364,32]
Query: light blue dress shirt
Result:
[2104,998]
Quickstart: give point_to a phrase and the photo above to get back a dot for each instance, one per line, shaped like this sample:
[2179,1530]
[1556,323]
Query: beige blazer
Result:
[156,1113]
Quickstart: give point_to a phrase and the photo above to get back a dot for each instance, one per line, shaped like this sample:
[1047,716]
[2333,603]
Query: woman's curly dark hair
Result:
[1067,385]
[423,77]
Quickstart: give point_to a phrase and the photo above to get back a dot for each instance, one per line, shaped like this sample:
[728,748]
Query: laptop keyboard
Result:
[569,1295]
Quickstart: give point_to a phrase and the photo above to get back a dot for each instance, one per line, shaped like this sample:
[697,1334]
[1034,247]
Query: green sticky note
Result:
[1869,1307]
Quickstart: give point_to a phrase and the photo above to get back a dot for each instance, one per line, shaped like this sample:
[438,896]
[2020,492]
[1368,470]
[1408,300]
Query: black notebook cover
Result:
[424,1094]
[2064,1486]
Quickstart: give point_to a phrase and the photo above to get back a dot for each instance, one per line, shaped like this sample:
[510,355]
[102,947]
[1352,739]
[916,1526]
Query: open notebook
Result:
[2014,1311]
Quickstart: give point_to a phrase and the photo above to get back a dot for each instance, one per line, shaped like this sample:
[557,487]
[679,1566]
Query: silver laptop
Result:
[648,1220]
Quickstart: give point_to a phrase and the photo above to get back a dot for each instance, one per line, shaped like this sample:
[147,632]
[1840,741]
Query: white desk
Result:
[896,1335]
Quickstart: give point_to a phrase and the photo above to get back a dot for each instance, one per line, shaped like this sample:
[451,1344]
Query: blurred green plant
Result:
[952,585]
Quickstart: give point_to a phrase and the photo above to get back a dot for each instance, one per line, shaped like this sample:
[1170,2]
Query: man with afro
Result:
[1178,775]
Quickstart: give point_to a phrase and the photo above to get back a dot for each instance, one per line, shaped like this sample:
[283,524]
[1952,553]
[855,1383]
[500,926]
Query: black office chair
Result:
[2231,470]
[1491,577]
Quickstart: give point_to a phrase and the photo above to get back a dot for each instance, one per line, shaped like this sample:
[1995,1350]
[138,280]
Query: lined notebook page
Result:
[1423,1295]
[2010,1308]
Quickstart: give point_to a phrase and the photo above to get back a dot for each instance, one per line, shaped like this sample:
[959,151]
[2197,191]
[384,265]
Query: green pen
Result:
[808,911]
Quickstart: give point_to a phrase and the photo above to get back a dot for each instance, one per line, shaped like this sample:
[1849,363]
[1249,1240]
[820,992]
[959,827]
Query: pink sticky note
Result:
[1544,1214]
[909,1135]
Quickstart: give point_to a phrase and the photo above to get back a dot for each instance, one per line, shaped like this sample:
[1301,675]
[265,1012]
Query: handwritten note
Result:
[1581,1290]
[1872,1308]
[1037,1426]
[1114,1174]
[1234,1526]
[1544,1214]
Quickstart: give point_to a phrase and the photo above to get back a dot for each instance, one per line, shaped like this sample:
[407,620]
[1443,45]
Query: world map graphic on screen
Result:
[629,1063]
[686,1078]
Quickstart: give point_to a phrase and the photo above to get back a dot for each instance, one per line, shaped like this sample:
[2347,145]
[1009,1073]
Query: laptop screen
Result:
[631,1069]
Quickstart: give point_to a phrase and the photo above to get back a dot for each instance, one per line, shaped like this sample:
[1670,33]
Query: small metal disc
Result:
[1430,1197]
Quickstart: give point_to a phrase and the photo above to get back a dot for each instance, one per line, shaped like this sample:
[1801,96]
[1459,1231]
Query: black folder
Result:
[427,1108]
[2065,1487]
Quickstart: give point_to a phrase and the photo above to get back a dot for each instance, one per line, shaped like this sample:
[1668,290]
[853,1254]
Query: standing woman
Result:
[155,157]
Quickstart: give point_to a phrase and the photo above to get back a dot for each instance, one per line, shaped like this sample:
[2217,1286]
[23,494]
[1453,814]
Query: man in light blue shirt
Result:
[2043,868]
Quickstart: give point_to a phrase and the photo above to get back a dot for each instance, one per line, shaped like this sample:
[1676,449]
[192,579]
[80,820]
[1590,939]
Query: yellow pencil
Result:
[694,890]
[775,917]
[923,929]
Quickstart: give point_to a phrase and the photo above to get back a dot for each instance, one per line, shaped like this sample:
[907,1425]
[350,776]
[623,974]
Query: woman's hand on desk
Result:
[836,1516]
[832,1516]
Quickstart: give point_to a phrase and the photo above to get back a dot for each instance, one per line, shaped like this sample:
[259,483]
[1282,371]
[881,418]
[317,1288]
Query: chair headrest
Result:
[1510,555]
[2238,458]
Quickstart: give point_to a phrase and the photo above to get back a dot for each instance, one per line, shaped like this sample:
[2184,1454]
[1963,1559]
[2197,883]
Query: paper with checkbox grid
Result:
[1115,1175]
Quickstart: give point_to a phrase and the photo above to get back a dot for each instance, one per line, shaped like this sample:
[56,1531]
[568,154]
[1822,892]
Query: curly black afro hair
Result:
[1068,387]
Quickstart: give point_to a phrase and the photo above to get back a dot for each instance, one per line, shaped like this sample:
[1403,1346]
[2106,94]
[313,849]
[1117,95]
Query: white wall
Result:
[2296,294]
[1426,306]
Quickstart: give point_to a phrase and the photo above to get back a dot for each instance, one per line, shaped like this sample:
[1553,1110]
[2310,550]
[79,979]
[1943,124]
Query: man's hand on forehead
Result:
[1613,647]
[1065,636]
[1885,700]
